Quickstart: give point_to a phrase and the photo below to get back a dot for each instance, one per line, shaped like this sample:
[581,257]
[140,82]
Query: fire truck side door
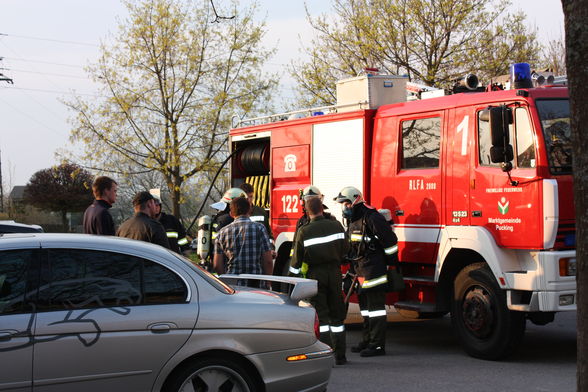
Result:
[418,186]
[459,152]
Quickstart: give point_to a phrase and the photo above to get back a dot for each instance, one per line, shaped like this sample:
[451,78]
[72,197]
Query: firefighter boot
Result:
[372,351]
[339,346]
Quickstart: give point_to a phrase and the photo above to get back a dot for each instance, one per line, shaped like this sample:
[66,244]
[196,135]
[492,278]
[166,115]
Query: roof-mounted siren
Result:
[466,83]
[520,76]
[542,78]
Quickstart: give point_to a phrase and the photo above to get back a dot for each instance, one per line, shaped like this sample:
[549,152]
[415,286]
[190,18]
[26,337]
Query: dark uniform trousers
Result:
[374,247]
[329,305]
[321,245]
[372,305]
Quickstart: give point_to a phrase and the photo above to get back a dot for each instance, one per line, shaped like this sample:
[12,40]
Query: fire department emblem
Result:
[503,206]
[290,163]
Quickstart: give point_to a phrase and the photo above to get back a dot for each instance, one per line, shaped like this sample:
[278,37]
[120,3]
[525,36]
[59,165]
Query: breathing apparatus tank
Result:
[204,235]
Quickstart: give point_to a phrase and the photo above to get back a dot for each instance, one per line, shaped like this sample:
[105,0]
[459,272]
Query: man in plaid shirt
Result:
[245,244]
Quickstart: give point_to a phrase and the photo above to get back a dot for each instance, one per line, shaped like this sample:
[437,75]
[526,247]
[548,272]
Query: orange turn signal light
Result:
[567,266]
[297,357]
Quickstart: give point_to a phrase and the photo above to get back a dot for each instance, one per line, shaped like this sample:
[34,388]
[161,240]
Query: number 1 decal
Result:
[463,128]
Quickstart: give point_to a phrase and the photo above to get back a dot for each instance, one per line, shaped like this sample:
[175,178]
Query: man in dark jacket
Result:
[97,219]
[142,226]
[321,244]
[373,249]
[175,231]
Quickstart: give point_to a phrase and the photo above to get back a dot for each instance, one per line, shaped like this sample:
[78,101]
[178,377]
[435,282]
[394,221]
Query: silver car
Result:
[92,313]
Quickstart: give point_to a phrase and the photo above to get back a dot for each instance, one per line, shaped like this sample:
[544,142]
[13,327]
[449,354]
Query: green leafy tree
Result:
[432,41]
[575,16]
[172,82]
[64,188]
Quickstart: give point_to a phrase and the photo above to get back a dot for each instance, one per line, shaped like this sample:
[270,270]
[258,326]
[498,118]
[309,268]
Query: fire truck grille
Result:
[566,236]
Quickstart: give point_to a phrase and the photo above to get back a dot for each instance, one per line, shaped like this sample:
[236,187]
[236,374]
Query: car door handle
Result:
[161,327]
[7,334]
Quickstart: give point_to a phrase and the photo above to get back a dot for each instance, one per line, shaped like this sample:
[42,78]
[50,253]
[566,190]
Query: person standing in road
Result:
[373,250]
[244,243]
[175,231]
[223,217]
[97,219]
[321,244]
[142,226]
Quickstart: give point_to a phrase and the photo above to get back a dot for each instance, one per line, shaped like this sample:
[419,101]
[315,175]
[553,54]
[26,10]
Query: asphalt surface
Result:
[424,355]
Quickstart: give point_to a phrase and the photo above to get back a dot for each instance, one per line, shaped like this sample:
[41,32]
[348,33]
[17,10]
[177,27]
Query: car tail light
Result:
[316,326]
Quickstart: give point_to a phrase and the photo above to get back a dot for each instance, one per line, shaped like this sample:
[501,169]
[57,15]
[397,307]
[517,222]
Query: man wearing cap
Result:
[176,234]
[142,226]
[243,244]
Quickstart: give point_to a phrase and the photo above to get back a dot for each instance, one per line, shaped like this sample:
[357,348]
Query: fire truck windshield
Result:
[555,121]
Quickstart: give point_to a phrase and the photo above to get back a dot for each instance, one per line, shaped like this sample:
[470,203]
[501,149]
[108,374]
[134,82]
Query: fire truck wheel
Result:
[480,316]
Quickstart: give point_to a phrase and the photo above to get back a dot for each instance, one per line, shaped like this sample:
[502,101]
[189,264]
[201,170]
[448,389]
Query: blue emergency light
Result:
[520,75]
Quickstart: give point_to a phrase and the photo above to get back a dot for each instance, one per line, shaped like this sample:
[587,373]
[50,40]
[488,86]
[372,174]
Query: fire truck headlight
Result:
[565,300]
[567,266]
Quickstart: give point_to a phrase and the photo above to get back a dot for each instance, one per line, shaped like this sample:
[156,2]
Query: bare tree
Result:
[172,82]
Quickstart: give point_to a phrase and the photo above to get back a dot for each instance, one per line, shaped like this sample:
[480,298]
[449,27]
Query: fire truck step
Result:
[421,307]
[420,279]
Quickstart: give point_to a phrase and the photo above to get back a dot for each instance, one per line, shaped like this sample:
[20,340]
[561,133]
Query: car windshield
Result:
[210,278]
[555,121]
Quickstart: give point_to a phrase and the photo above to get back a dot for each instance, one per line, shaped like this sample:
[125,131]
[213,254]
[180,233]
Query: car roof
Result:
[10,226]
[88,241]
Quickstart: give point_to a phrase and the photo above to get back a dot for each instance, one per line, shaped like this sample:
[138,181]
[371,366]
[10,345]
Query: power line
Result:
[60,134]
[41,62]
[53,91]
[49,40]
[47,73]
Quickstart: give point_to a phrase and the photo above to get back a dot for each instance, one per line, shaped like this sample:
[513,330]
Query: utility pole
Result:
[3,78]
[1,185]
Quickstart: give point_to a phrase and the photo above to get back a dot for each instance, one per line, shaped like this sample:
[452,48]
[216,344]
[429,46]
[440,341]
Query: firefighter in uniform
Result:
[175,231]
[305,194]
[321,244]
[373,250]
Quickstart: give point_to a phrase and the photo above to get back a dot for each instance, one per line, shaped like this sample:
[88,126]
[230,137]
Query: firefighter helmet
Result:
[310,191]
[229,195]
[233,193]
[351,194]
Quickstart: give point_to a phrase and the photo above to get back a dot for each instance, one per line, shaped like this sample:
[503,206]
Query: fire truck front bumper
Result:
[548,284]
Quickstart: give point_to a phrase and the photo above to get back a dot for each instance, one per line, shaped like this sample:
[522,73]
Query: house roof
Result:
[17,192]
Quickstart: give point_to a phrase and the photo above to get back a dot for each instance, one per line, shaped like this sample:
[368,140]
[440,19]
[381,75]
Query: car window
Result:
[210,278]
[14,269]
[75,279]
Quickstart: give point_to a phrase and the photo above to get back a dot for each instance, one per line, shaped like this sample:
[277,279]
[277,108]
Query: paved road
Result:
[423,355]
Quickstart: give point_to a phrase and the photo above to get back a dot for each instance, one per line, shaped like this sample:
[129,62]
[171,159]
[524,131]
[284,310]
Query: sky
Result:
[46,44]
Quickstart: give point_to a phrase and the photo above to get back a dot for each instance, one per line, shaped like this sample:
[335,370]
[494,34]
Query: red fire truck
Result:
[478,185]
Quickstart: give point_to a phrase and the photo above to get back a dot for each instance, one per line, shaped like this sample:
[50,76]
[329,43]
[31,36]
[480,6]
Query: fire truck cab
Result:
[479,186]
